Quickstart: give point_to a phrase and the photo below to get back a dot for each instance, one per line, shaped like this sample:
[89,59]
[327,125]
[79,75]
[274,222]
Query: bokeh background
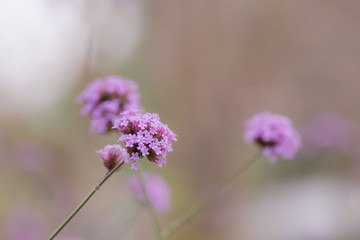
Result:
[205,67]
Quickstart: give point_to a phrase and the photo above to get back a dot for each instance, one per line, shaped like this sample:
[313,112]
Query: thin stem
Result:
[152,213]
[96,188]
[192,212]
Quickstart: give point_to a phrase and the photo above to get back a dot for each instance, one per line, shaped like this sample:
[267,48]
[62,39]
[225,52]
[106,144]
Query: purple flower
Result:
[25,224]
[275,134]
[157,188]
[326,131]
[112,155]
[33,156]
[104,100]
[144,135]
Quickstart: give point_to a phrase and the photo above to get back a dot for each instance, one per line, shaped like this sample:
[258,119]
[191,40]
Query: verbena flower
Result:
[157,189]
[275,134]
[24,223]
[145,136]
[326,131]
[112,155]
[33,156]
[104,99]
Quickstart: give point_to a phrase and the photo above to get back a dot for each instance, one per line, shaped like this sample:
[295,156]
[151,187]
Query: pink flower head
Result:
[24,223]
[104,100]
[326,131]
[144,135]
[112,155]
[274,133]
[34,156]
[157,189]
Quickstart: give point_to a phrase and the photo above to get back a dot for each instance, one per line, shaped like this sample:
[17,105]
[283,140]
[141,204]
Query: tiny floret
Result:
[145,136]
[157,189]
[104,99]
[112,155]
[275,134]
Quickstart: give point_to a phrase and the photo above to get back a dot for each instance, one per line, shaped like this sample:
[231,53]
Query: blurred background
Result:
[205,67]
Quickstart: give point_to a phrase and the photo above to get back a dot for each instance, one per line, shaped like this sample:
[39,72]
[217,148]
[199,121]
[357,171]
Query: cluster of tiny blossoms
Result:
[275,134]
[113,103]
[104,100]
[145,136]
[112,155]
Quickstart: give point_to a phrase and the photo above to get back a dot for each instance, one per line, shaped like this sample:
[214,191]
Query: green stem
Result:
[203,203]
[96,188]
[152,213]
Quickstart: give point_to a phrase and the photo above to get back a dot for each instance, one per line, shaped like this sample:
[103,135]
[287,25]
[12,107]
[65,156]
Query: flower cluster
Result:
[275,134]
[326,131]
[24,223]
[112,155]
[145,136]
[104,100]
[157,189]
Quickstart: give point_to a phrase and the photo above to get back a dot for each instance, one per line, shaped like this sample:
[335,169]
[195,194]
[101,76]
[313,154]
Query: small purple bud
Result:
[112,155]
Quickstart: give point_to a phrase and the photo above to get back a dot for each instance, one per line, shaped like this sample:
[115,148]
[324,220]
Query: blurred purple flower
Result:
[104,100]
[112,155]
[275,134]
[157,188]
[33,156]
[144,135]
[325,131]
[26,224]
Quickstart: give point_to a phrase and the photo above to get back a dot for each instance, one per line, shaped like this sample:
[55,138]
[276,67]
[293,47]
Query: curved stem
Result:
[192,212]
[153,216]
[96,188]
